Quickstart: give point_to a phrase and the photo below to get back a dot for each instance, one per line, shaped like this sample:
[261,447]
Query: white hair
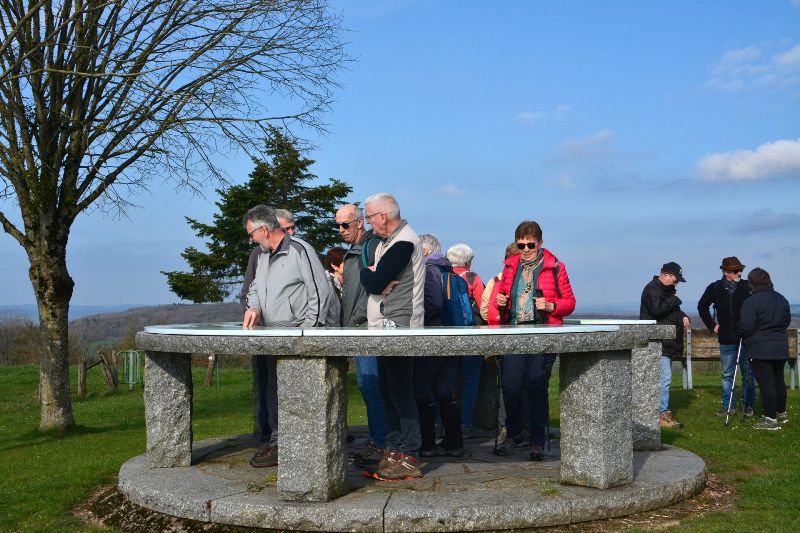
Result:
[431,243]
[285,214]
[387,203]
[460,255]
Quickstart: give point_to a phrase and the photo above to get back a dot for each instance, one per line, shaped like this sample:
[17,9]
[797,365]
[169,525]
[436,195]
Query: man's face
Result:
[528,247]
[350,227]
[258,233]
[378,219]
[733,275]
[287,226]
[668,278]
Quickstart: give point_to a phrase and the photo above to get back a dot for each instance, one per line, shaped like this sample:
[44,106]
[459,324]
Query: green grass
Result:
[43,476]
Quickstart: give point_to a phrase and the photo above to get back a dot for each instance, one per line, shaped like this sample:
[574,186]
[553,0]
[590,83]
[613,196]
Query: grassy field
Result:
[43,476]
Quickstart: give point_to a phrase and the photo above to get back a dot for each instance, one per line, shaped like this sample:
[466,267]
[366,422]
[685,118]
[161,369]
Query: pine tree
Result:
[282,181]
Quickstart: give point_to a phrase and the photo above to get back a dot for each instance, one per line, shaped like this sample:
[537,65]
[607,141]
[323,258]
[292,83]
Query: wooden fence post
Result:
[82,378]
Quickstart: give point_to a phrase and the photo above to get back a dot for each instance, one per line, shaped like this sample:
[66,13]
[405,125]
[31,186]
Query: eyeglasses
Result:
[733,271]
[288,228]
[250,235]
[530,245]
[372,215]
[346,225]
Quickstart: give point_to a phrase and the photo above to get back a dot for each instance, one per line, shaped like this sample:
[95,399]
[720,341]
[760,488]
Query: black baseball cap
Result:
[674,268]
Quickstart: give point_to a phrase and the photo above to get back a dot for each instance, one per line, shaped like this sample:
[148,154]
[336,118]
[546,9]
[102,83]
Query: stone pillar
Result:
[646,390]
[168,408]
[596,438]
[312,422]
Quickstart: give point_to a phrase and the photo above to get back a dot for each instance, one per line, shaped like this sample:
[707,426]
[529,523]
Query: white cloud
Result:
[452,190]
[766,220]
[596,145]
[779,159]
[745,68]
[529,116]
[532,116]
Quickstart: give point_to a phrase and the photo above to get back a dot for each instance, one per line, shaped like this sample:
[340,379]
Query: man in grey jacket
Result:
[350,221]
[260,365]
[290,289]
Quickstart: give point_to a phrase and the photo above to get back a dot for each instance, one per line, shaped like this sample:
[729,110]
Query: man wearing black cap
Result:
[727,295]
[660,302]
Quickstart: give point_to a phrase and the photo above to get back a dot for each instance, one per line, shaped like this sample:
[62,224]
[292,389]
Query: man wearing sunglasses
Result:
[350,223]
[726,296]
[660,302]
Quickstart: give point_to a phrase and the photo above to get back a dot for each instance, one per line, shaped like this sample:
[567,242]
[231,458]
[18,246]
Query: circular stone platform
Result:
[479,492]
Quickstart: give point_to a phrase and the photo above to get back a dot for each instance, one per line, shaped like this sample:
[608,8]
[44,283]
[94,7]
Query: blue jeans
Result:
[471,366]
[369,385]
[267,381]
[666,381]
[727,358]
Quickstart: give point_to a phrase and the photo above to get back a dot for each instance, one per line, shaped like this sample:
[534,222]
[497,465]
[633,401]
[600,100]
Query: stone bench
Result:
[597,392]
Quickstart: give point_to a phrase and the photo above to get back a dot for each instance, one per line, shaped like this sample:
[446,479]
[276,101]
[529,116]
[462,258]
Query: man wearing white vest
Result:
[395,285]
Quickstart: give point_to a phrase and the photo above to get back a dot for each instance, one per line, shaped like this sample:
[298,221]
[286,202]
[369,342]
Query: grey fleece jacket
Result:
[354,296]
[290,286]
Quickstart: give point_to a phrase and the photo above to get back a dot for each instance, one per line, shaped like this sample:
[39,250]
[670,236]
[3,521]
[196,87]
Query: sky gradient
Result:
[635,133]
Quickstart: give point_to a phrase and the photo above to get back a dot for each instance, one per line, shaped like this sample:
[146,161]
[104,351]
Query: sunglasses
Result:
[530,245]
[345,225]
[734,271]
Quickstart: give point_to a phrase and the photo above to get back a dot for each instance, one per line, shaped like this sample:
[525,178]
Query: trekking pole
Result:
[499,368]
[733,385]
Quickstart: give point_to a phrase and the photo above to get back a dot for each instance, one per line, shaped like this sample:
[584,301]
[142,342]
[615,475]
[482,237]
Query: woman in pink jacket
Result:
[535,289]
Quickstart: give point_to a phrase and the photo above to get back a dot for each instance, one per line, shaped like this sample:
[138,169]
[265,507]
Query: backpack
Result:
[456,308]
[470,276]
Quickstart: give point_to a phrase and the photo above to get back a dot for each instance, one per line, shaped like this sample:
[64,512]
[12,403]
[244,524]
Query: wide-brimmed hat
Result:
[730,264]
[674,268]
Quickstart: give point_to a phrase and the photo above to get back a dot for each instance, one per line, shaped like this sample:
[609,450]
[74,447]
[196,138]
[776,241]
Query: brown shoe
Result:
[397,466]
[264,459]
[665,420]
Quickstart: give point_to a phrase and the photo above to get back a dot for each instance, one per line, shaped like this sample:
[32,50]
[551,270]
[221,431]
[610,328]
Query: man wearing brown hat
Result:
[660,302]
[726,296]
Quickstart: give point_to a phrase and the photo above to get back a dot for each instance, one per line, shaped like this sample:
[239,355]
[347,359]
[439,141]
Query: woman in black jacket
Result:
[762,324]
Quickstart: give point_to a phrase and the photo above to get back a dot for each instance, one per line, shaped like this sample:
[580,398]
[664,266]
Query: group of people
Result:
[392,277]
[750,319]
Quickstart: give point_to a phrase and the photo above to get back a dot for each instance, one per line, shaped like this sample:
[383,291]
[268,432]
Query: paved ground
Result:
[479,492]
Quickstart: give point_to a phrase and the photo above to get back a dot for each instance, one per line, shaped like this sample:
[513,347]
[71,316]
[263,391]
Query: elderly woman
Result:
[535,289]
[762,324]
[435,377]
[461,256]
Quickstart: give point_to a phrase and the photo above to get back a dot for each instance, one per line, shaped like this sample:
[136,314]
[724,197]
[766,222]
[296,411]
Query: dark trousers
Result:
[535,370]
[397,389]
[435,383]
[769,376]
[267,397]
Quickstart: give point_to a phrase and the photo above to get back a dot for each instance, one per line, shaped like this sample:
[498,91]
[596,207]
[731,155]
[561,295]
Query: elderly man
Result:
[290,289]
[396,285]
[260,364]
[350,222]
[660,302]
[726,296]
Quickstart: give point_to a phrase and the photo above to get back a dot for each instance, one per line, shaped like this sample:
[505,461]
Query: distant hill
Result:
[75,311]
[122,324]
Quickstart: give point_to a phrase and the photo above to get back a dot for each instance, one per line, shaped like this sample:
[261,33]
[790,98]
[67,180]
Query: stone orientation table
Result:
[597,393]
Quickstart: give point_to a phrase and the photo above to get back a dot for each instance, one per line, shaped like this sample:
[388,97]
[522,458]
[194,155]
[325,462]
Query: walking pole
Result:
[499,369]
[733,385]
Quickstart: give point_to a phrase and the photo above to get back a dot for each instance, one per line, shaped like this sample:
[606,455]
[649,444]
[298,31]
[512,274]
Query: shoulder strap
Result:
[555,278]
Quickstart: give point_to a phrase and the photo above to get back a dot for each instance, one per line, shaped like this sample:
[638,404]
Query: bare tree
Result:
[99,96]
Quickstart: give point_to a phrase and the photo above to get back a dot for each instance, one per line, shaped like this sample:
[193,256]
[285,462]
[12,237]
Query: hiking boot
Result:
[770,424]
[748,411]
[782,418]
[397,466]
[268,458]
[368,456]
[665,420]
[508,444]
[723,412]
[536,453]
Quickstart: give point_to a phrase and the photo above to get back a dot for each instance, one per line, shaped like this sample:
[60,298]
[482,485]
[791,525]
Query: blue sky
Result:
[635,133]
